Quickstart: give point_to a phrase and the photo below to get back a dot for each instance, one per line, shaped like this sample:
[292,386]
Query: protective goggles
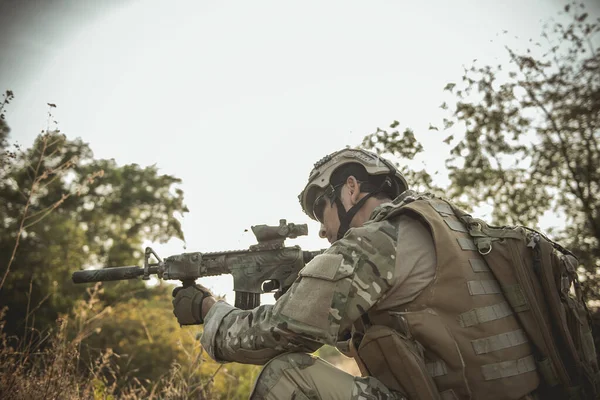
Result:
[321,201]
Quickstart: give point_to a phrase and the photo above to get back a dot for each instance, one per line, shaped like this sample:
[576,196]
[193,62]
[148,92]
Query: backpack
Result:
[539,280]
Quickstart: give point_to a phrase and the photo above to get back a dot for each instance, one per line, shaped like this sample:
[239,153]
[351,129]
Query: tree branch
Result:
[578,192]
[21,227]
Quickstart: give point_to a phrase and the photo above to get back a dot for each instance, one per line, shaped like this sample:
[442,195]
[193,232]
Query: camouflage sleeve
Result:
[331,292]
[249,336]
[371,252]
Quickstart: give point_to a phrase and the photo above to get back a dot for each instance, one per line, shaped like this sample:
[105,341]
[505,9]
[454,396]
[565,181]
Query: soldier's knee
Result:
[273,371]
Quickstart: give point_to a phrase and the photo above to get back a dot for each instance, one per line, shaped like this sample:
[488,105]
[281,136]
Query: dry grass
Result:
[49,365]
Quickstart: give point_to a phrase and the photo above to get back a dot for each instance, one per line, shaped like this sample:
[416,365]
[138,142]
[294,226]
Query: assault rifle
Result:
[265,267]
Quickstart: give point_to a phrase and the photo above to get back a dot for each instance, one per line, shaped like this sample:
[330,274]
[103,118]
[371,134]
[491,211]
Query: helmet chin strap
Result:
[346,217]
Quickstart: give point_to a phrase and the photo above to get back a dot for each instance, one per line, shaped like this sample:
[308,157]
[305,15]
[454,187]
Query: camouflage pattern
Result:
[332,292]
[302,376]
[363,274]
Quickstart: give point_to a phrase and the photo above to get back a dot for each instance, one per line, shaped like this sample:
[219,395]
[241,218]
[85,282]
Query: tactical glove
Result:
[187,304]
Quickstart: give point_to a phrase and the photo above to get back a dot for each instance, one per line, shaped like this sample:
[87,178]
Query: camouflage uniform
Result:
[331,294]
[407,294]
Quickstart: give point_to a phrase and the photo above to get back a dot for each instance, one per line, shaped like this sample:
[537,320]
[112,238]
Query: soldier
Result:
[402,289]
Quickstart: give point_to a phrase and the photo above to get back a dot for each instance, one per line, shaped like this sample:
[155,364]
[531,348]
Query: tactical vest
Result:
[459,339]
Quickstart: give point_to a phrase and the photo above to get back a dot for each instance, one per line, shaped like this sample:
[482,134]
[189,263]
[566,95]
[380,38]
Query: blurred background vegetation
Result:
[523,138]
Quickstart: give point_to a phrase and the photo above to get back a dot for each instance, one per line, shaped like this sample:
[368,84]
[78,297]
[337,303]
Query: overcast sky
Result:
[240,98]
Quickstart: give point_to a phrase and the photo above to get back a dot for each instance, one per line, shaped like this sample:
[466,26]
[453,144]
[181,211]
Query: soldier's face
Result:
[330,222]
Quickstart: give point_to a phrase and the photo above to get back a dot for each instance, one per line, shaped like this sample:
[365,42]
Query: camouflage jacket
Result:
[332,291]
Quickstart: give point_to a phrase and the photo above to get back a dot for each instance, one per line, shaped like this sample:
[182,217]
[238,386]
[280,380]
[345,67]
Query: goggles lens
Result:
[319,207]
[321,202]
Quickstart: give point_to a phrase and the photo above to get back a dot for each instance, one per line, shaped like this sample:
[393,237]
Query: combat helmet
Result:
[319,182]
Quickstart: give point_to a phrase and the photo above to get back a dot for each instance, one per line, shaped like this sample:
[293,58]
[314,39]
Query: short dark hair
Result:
[369,183]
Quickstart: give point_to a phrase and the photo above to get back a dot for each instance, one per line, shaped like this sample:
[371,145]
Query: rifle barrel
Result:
[107,274]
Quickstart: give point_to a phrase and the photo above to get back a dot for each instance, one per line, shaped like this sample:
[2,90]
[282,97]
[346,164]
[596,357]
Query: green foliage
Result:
[530,140]
[405,147]
[143,333]
[68,210]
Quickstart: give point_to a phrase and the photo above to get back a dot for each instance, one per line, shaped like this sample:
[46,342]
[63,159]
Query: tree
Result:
[68,210]
[531,140]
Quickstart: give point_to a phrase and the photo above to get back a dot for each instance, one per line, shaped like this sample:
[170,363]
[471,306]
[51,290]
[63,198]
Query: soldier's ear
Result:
[352,183]
[354,189]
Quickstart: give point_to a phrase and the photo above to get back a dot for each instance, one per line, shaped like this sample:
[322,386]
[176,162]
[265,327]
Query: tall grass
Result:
[48,365]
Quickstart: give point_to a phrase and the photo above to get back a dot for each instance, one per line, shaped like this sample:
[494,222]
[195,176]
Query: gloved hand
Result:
[187,303]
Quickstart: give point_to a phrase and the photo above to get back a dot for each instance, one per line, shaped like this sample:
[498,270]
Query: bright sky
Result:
[240,98]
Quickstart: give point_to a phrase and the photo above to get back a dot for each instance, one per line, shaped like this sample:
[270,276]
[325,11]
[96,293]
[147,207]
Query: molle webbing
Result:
[507,369]
[483,287]
[481,315]
[478,265]
[441,207]
[499,342]
[455,225]
[466,244]
[436,368]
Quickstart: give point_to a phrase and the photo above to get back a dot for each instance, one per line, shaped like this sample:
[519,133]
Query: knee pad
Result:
[274,369]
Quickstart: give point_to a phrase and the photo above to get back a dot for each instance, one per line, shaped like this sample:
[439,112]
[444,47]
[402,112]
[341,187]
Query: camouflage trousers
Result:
[301,376]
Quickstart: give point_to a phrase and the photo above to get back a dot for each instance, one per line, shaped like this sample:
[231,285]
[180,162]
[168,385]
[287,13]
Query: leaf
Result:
[433,128]
[450,86]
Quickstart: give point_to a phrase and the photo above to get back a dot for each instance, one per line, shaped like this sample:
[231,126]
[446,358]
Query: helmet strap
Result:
[346,217]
